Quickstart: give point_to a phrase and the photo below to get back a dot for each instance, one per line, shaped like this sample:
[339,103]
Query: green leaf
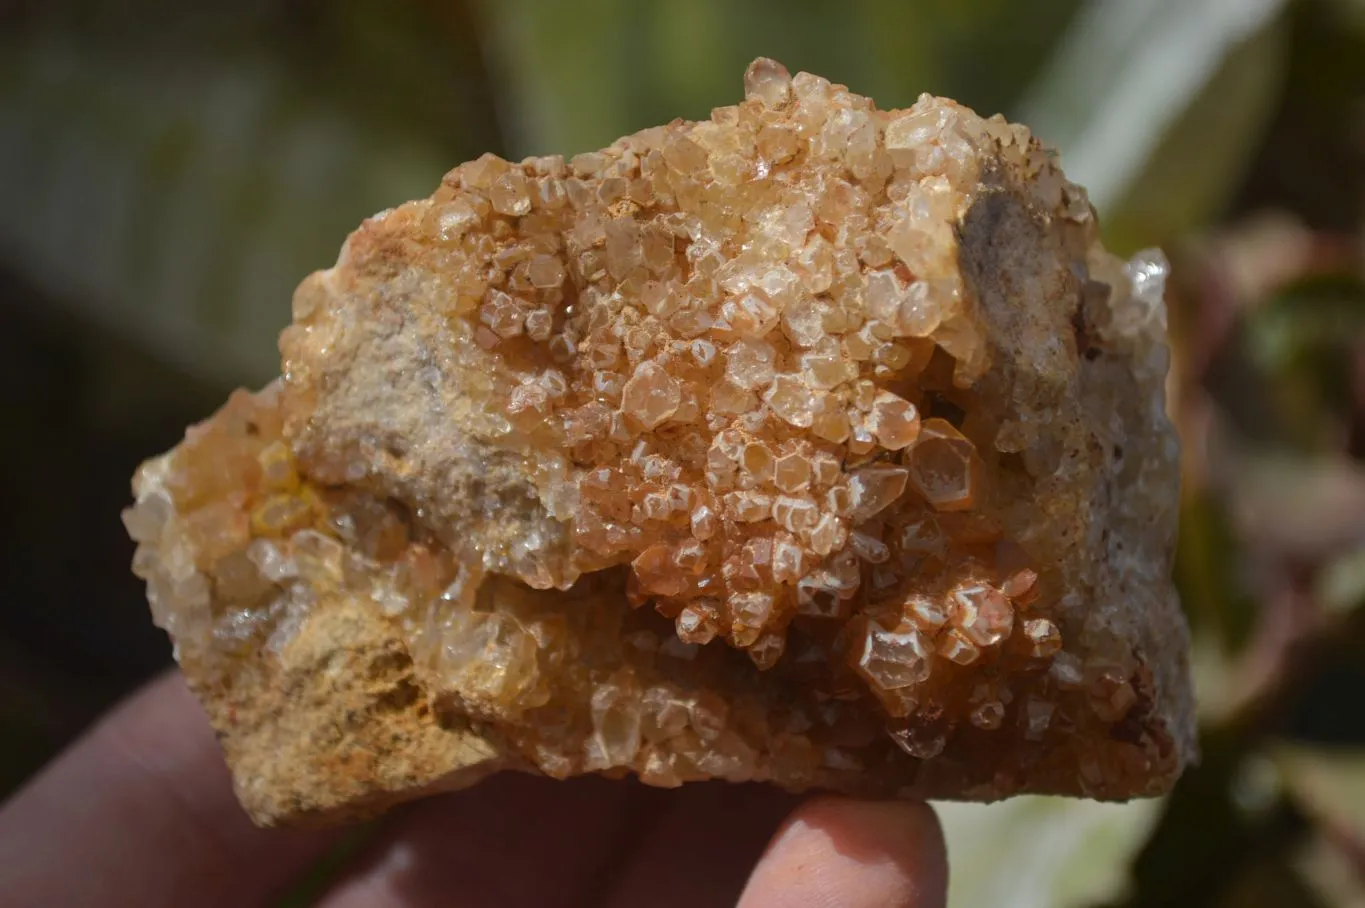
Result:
[1038,852]
[1155,107]
[173,175]
[1303,340]
[584,74]
[1341,583]
[1328,784]
[1222,614]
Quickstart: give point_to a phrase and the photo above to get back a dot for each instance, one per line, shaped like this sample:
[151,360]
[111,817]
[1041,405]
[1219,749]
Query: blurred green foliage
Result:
[173,170]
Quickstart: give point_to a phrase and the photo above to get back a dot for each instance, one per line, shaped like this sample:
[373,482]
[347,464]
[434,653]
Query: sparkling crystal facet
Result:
[776,446]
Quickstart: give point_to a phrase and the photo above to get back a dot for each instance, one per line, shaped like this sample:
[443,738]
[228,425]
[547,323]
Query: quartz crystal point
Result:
[810,443]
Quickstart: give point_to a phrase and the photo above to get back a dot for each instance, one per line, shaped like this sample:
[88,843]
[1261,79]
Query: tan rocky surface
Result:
[811,443]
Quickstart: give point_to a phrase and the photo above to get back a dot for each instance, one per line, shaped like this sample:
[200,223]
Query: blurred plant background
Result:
[168,172]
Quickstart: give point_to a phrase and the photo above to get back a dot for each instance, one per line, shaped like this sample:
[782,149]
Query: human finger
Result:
[701,847]
[853,854]
[512,841]
[140,813]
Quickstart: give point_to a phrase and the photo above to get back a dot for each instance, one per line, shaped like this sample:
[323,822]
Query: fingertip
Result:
[853,854]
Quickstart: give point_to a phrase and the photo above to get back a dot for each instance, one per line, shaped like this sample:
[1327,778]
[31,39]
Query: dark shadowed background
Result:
[169,172]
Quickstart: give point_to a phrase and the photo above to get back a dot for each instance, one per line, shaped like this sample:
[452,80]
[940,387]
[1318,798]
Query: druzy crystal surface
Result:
[811,443]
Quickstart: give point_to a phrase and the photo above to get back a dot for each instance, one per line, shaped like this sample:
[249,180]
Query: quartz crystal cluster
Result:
[811,443]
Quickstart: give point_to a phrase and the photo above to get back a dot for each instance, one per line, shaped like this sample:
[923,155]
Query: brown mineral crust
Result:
[811,443]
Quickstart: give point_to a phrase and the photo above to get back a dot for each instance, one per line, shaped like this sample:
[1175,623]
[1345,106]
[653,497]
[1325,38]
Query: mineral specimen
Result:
[811,443]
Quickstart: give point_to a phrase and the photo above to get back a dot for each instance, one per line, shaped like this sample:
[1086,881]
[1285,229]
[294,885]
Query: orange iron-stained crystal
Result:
[759,448]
